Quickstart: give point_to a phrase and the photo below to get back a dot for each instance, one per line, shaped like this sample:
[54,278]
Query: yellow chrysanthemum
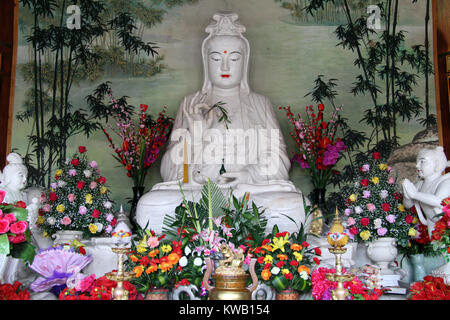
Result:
[353,197]
[412,232]
[365,235]
[45,234]
[268,259]
[60,208]
[93,228]
[40,220]
[141,249]
[401,208]
[298,256]
[88,198]
[103,190]
[285,271]
[166,248]
[382,166]
[58,172]
[375,180]
[278,243]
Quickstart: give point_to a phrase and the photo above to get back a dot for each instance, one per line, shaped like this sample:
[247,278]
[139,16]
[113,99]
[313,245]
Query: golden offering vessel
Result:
[119,292]
[230,278]
[338,239]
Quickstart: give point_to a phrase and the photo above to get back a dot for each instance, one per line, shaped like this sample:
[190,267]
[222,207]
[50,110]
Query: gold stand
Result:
[119,292]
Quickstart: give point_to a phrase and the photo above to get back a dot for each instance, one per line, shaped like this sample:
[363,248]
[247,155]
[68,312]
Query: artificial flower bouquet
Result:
[14,230]
[13,292]
[78,200]
[373,205]
[154,260]
[90,288]
[431,288]
[441,232]
[283,263]
[322,287]
[319,147]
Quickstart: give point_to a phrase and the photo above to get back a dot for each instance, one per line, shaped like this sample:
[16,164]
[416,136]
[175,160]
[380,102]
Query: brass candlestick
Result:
[119,292]
[338,239]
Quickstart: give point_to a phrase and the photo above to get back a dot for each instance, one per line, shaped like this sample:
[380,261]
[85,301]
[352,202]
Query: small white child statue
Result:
[433,187]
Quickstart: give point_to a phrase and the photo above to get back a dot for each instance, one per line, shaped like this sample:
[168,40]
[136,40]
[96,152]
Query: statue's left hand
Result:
[231,179]
[409,189]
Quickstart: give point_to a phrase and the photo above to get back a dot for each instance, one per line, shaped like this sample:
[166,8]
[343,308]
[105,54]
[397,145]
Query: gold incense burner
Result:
[119,276]
[230,278]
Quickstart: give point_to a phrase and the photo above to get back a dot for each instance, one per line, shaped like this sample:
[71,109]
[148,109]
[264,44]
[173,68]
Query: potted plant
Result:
[374,211]
[78,204]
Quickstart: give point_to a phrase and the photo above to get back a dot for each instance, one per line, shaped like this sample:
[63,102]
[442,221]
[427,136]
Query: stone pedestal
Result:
[104,260]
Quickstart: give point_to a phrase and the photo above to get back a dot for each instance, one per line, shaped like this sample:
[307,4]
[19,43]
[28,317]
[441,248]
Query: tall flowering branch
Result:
[141,142]
[319,149]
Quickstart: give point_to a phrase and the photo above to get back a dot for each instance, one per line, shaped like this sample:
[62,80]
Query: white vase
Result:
[66,236]
[382,252]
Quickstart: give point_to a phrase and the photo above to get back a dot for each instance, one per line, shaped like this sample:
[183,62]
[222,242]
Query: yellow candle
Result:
[186,164]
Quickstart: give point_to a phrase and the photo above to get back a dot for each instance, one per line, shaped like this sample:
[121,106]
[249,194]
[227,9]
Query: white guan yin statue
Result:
[13,181]
[250,147]
[433,187]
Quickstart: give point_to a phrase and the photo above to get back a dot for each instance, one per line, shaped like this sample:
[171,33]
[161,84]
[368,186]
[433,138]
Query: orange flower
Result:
[268,248]
[151,269]
[153,253]
[265,274]
[138,270]
[296,247]
[304,268]
[134,258]
[173,258]
[165,266]
[282,257]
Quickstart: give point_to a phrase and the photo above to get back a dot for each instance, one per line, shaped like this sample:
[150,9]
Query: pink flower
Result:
[82,210]
[93,185]
[366,194]
[108,229]
[86,283]
[66,221]
[371,207]
[390,218]
[381,231]
[93,164]
[2,195]
[348,211]
[72,172]
[391,180]
[365,168]
[71,197]
[152,242]
[19,227]
[109,217]
[4,226]
[46,208]
[350,221]
[19,238]
[11,218]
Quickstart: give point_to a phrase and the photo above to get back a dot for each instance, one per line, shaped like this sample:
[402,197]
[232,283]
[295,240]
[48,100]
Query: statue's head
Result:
[14,174]
[225,54]
[431,161]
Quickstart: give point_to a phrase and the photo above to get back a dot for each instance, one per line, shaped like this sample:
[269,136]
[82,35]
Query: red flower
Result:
[113,222]
[321,107]
[280,264]
[281,234]
[305,244]
[354,230]
[102,180]
[81,250]
[265,241]
[316,260]
[144,261]
[294,263]
[75,162]
[82,149]
[289,276]
[53,197]
[364,221]
[386,207]
[143,107]
[409,218]
[364,182]
[80,185]
[260,260]
[267,265]
[96,213]
[318,251]
[20,204]
[376,155]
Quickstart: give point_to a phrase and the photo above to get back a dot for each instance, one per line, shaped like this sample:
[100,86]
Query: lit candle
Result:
[186,164]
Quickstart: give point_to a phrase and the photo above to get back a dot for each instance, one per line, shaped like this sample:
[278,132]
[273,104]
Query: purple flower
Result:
[381,231]
[365,168]
[327,295]
[72,172]
[390,218]
[366,194]
[348,211]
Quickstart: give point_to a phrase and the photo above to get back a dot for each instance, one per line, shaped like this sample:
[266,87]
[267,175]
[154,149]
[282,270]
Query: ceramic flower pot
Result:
[157,294]
[66,236]
[287,294]
[382,252]
[417,262]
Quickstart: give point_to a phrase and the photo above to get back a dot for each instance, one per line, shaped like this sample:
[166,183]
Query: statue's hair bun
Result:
[14,158]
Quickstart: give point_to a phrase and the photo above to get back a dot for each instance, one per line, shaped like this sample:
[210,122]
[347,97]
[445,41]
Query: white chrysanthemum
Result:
[384,194]
[358,210]
[99,226]
[87,173]
[107,204]
[377,223]
[51,221]
[275,270]
[61,183]
[304,275]
[183,261]
[198,261]
[187,250]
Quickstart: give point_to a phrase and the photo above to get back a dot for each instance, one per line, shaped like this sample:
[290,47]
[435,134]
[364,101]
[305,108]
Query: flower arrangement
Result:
[14,230]
[319,148]
[13,292]
[282,263]
[431,288]
[90,288]
[153,260]
[374,206]
[141,142]
[322,287]
[441,232]
[78,200]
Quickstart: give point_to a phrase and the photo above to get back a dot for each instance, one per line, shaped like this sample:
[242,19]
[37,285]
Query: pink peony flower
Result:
[350,221]
[4,226]
[66,220]
[19,238]
[71,197]
[19,227]
[152,242]
[390,218]
[366,194]
[93,164]
[391,180]
[371,207]
[11,218]
[72,172]
[93,185]
[82,210]
[365,168]
[381,231]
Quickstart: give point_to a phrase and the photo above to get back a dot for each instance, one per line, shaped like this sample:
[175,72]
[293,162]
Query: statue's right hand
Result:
[199,112]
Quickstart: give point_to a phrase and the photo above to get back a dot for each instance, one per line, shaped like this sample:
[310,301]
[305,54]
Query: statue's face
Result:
[425,166]
[225,61]
[18,180]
